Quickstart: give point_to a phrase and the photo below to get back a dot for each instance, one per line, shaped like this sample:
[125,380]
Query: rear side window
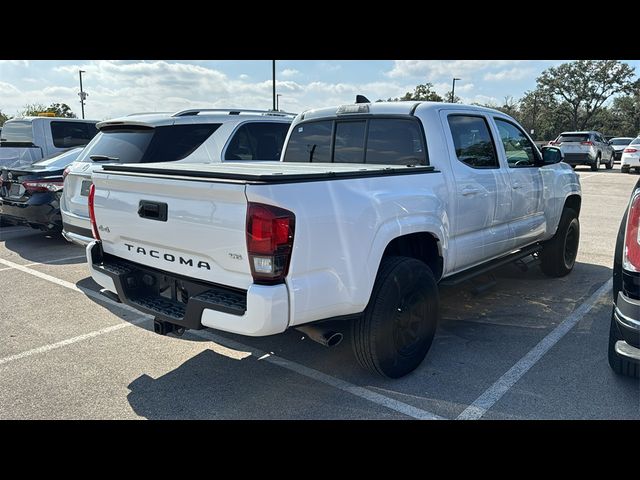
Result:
[72,134]
[472,140]
[387,141]
[310,142]
[17,134]
[257,141]
[144,145]
[573,138]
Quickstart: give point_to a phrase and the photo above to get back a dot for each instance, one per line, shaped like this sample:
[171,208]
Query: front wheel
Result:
[395,332]
[559,254]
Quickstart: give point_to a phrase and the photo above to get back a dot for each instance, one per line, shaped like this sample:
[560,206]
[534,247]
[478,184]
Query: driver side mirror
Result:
[551,155]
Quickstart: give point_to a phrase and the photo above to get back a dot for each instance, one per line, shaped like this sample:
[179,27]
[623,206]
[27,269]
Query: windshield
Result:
[16,133]
[146,144]
[621,141]
[60,160]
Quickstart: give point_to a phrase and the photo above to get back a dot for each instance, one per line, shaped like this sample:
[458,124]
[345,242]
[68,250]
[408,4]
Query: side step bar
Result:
[486,267]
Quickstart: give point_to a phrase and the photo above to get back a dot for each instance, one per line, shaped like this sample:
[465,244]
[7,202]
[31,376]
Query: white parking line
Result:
[49,262]
[69,341]
[343,385]
[494,393]
[361,392]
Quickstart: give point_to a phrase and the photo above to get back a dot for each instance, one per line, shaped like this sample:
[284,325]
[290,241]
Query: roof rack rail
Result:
[233,111]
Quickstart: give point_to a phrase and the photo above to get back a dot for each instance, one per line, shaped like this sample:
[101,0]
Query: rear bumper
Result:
[579,159]
[76,229]
[38,210]
[630,161]
[258,311]
[626,313]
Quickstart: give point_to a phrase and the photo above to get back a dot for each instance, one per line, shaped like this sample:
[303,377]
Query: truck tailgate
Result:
[206,219]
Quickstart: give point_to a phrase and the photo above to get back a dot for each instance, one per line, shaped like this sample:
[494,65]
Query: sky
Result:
[117,88]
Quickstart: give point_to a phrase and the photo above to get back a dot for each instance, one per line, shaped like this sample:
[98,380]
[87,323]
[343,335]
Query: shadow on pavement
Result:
[37,246]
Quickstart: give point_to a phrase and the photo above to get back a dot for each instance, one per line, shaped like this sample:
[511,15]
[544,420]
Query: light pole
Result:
[273,68]
[453,89]
[82,94]
[278,95]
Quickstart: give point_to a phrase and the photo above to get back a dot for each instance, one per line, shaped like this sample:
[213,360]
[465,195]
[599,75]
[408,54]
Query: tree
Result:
[447,97]
[59,109]
[422,92]
[625,113]
[582,87]
[3,118]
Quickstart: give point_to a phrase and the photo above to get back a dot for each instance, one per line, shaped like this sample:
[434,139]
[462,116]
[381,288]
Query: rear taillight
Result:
[630,150]
[53,185]
[92,213]
[631,255]
[586,143]
[65,173]
[270,232]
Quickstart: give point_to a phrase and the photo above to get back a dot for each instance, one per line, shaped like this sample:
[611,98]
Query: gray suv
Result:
[585,148]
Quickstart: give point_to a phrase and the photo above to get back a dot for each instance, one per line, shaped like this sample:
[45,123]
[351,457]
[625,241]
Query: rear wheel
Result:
[559,254]
[624,169]
[619,364]
[396,330]
[596,166]
[609,165]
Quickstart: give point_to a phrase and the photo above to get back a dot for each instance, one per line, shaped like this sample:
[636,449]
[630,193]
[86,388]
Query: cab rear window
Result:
[387,141]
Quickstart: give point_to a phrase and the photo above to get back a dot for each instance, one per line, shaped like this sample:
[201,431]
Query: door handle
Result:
[470,191]
[516,185]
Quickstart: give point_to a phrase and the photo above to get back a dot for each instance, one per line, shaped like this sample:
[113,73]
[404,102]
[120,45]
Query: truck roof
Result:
[391,108]
[49,119]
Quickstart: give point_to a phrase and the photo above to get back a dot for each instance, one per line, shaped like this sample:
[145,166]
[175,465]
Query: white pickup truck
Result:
[25,140]
[371,206]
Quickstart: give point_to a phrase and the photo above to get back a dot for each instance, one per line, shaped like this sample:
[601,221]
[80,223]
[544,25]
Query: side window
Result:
[518,149]
[257,141]
[310,142]
[349,143]
[72,134]
[395,142]
[472,141]
[175,142]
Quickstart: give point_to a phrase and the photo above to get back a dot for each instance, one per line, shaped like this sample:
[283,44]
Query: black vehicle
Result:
[624,333]
[30,195]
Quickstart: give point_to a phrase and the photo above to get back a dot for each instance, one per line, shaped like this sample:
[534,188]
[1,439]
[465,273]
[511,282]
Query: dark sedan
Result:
[624,333]
[30,195]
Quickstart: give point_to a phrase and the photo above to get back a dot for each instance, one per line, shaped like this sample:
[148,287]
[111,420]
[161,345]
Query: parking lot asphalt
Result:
[528,347]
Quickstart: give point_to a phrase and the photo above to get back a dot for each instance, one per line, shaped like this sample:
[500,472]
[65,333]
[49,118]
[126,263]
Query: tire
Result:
[596,166]
[394,334]
[624,170]
[558,255]
[619,364]
[609,165]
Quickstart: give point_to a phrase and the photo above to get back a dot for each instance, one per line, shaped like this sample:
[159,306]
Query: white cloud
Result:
[435,69]
[289,72]
[19,63]
[243,76]
[329,66]
[515,73]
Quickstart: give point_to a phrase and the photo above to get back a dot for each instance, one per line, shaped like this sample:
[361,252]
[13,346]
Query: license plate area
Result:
[84,188]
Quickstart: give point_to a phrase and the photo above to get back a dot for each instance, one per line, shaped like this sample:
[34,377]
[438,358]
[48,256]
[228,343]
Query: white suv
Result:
[193,136]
